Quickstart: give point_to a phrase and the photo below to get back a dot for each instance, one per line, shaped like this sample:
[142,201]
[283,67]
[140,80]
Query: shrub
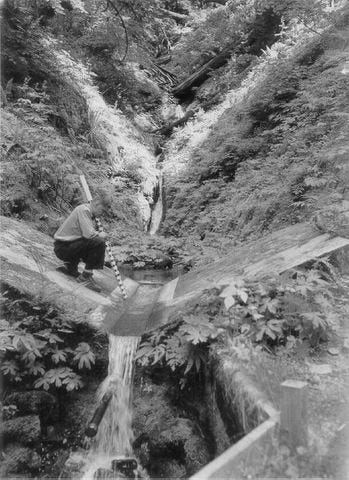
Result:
[39,348]
[279,312]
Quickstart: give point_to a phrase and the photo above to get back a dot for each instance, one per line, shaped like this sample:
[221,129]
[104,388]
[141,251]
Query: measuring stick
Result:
[107,244]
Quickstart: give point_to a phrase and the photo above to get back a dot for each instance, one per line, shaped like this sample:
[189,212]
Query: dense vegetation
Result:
[276,157]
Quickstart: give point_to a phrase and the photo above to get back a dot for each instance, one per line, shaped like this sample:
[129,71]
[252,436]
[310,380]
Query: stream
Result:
[158,209]
[114,437]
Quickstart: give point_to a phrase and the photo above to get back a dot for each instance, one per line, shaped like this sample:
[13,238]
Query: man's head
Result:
[101,203]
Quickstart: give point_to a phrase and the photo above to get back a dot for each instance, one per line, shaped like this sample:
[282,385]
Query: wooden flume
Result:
[107,244]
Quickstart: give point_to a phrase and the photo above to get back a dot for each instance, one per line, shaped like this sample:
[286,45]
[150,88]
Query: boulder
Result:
[183,434]
[161,432]
[17,459]
[26,430]
[168,468]
[74,466]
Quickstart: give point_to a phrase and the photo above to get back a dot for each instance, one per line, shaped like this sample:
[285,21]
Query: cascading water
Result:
[114,437]
[157,211]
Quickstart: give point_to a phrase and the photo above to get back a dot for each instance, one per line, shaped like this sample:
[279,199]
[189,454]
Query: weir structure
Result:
[147,308]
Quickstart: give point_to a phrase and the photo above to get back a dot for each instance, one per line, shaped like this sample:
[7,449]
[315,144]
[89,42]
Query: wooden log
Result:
[176,16]
[167,129]
[293,417]
[163,59]
[198,77]
[92,427]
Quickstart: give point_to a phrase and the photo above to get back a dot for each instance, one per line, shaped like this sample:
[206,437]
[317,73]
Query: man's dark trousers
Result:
[89,250]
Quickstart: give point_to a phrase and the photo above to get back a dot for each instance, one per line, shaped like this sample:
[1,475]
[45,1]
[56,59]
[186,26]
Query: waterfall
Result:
[157,211]
[114,437]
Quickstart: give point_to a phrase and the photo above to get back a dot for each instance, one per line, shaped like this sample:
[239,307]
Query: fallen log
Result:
[176,16]
[163,60]
[167,129]
[198,77]
[92,427]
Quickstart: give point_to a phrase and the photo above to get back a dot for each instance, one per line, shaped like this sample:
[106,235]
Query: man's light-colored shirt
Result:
[79,224]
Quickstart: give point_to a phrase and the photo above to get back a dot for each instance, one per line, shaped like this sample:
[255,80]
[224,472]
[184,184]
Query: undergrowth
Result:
[286,312]
[275,157]
[42,349]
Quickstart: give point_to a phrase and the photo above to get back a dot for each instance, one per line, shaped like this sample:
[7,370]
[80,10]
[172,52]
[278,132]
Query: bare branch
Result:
[112,4]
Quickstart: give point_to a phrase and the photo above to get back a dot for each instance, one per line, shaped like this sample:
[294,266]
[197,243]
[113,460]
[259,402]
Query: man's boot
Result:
[70,269]
[85,278]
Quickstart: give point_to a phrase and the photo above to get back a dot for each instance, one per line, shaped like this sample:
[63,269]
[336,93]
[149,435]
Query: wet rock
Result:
[169,469]
[126,467]
[73,466]
[183,434]
[42,403]
[17,459]
[151,259]
[26,430]
[160,432]
[103,473]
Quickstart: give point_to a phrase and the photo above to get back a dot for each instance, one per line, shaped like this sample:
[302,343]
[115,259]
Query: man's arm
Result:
[86,223]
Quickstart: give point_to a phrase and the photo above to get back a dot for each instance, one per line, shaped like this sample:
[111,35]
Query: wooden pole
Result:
[293,418]
[107,244]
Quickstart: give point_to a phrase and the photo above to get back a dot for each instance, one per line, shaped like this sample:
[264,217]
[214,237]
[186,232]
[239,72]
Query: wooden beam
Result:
[293,416]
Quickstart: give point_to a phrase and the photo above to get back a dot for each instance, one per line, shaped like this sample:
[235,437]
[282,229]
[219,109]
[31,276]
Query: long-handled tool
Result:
[107,244]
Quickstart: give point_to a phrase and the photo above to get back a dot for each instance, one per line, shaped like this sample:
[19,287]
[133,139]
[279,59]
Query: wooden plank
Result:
[250,450]
[295,256]
[280,251]
[244,255]
[133,319]
[293,416]
[159,314]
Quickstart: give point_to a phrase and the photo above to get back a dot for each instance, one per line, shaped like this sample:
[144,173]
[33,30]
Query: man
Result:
[77,239]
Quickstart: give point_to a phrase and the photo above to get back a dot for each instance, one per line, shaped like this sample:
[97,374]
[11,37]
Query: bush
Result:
[285,311]
[39,348]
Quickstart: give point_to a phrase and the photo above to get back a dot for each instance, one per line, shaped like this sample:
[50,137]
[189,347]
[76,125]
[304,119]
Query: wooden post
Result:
[293,418]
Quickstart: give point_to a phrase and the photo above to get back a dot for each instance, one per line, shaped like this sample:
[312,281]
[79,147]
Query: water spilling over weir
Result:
[114,436]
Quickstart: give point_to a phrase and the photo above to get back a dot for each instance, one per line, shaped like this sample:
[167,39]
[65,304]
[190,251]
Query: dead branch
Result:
[112,4]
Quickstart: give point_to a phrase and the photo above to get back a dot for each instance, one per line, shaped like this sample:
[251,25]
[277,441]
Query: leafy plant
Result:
[294,306]
[185,350]
[38,346]
[84,356]
[278,312]
[59,377]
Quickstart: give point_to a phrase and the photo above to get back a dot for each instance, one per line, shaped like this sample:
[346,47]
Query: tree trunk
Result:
[198,77]
[167,129]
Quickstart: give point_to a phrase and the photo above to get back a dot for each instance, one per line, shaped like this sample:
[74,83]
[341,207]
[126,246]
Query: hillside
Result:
[273,153]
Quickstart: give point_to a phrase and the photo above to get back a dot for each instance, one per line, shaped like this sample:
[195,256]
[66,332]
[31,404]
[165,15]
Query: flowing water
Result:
[157,211]
[114,437]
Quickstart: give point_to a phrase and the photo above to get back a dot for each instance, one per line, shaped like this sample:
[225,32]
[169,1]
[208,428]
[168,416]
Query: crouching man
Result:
[77,239]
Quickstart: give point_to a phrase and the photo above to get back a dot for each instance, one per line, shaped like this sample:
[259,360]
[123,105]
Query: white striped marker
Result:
[107,244]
